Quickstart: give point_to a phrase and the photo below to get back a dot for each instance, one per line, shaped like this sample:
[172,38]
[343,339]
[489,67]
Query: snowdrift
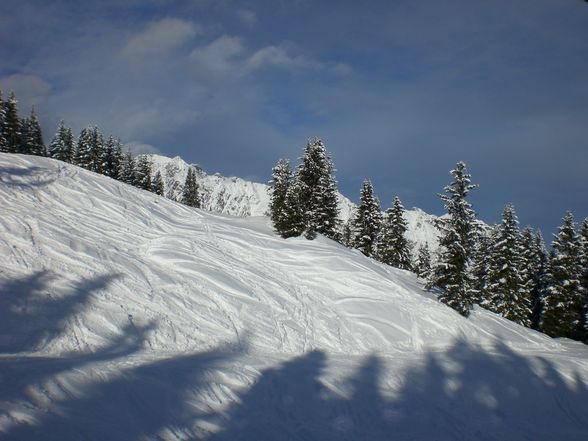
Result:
[127,316]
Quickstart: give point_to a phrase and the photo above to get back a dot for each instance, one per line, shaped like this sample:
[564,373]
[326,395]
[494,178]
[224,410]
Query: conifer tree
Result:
[534,259]
[83,155]
[294,213]
[112,157]
[97,155]
[367,221]
[563,308]
[506,283]
[62,145]
[190,194]
[12,129]
[481,257]
[3,142]
[32,137]
[143,173]
[458,237]
[126,172]
[347,233]
[157,186]
[393,248]
[279,185]
[583,233]
[317,190]
[423,262]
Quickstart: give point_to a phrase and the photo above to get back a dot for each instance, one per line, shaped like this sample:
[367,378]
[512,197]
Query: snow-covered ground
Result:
[127,316]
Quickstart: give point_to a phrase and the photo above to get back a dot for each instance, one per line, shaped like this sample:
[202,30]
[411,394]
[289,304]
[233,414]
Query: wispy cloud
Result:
[160,37]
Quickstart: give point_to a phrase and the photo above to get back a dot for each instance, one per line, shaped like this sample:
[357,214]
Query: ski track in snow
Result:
[129,316]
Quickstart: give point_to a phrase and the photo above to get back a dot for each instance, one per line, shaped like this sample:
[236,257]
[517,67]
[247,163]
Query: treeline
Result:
[91,150]
[503,269]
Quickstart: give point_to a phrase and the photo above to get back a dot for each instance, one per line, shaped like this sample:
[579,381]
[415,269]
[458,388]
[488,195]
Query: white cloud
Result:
[247,16]
[220,56]
[138,147]
[160,37]
[29,89]
[278,57]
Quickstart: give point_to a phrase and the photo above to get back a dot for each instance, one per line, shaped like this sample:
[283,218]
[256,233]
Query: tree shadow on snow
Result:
[32,314]
[35,176]
[465,392]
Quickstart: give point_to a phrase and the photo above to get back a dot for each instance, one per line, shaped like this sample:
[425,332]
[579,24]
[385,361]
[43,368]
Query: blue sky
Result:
[399,90]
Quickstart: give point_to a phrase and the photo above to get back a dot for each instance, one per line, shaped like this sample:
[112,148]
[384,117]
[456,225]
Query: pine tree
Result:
[534,266]
[481,257]
[32,137]
[83,154]
[506,283]
[393,248]
[564,300]
[12,130]
[423,262]
[347,233]
[143,173]
[3,142]
[293,212]
[62,145]
[190,194]
[157,186]
[458,237]
[112,157]
[318,191]
[583,233]
[367,221]
[281,182]
[126,172]
[97,154]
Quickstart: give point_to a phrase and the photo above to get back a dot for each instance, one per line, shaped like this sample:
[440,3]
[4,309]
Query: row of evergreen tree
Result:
[502,269]
[91,151]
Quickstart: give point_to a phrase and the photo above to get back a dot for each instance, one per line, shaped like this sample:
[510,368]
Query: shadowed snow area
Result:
[126,316]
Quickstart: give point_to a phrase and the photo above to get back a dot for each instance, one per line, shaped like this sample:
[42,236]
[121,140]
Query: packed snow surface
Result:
[127,316]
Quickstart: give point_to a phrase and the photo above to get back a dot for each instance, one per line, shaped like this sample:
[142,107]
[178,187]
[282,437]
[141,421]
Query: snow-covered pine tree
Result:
[459,232]
[32,136]
[534,263]
[190,194]
[481,257]
[126,172]
[62,145]
[583,233]
[367,221]
[112,157]
[509,296]
[83,155]
[422,265]
[143,172]
[97,155]
[317,190]
[157,184]
[11,127]
[295,224]
[347,232]
[563,307]
[3,145]
[393,247]
[280,183]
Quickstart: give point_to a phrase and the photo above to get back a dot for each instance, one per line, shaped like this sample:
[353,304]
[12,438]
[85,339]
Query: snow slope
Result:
[127,316]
